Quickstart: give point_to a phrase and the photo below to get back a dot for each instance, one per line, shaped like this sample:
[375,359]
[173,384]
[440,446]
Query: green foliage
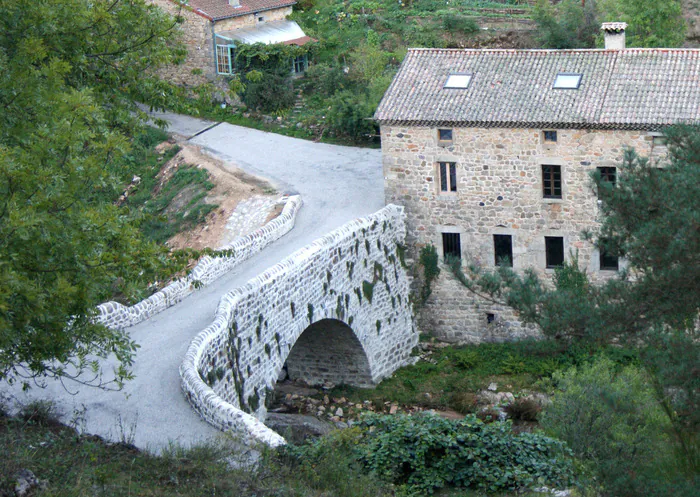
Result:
[349,114]
[572,25]
[650,24]
[267,78]
[72,464]
[620,430]
[429,260]
[428,452]
[460,23]
[568,25]
[70,74]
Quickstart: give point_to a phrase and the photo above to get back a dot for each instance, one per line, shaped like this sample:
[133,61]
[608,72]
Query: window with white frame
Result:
[225,59]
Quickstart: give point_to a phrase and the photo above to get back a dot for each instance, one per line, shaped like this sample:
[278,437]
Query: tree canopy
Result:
[71,72]
[573,25]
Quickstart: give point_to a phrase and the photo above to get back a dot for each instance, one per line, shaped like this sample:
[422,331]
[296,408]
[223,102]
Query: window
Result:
[451,245]
[551,181]
[608,262]
[567,81]
[445,136]
[448,176]
[554,248]
[550,136]
[608,175]
[261,19]
[458,81]
[503,250]
[659,141]
[225,59]
[299,64]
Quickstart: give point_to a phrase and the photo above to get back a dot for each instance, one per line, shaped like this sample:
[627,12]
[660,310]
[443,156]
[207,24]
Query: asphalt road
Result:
[337,185]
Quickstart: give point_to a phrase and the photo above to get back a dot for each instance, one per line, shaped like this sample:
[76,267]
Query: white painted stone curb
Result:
[201,396]
[117,316]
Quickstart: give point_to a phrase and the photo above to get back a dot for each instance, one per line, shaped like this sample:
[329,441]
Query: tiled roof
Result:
[620,89]
[220,9]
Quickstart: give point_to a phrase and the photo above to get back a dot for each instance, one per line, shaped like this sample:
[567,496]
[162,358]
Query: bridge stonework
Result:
[336,310]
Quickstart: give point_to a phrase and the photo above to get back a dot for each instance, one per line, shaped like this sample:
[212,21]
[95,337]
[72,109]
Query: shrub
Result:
[463,24]
[523,410]
[619,426]
[427,452]
[429,261]
[272,92]
[349,115]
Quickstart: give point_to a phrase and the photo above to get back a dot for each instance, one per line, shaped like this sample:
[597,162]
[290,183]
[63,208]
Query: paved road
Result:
[337,184]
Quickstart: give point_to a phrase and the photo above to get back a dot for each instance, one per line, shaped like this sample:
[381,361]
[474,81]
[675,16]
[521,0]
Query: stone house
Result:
[491,153]
[212,28]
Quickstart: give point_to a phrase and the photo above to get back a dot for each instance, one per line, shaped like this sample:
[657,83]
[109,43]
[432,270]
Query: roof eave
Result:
[250,12]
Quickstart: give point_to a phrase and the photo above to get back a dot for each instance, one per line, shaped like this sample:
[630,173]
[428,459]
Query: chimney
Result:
[234,3]
[614,35]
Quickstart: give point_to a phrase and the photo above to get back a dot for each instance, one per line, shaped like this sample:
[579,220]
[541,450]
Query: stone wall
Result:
[118,316]
[352,278]
[196,35]
[499,191]
[252,19]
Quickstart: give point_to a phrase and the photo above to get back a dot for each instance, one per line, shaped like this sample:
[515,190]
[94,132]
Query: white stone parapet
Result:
[117,316]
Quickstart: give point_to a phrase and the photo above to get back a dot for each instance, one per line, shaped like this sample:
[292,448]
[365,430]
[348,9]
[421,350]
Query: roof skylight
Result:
[458,81]
[567,81]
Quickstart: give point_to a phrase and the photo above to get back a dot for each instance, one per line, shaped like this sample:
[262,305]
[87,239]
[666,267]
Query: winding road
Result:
[337,184]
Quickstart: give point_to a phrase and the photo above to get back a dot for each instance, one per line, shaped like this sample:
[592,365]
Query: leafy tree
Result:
[650,24]
[652,218]
[573,25]
[70,74]
[568,25]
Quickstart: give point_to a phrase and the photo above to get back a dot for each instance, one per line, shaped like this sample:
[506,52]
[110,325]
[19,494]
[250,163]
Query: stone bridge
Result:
[336,310]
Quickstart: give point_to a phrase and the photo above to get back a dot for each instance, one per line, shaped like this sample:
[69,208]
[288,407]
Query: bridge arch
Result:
[329,351]
[350,283]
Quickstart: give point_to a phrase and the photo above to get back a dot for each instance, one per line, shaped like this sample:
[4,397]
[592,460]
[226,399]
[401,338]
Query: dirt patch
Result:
[231,186]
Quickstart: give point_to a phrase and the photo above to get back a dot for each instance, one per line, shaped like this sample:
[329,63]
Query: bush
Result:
[619,427]
[273,92]
[427,452]
[350,115]
[463,24]
[323,80]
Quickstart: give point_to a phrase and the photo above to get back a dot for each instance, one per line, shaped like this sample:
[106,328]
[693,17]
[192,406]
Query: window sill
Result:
[552,200]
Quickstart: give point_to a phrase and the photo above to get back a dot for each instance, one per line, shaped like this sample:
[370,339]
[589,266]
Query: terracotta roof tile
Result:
[633,88]
[220,9]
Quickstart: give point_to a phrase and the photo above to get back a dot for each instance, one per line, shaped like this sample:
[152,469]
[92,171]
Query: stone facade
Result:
[499,191]
[208,269]
[336,310]
[196,34]
[248,20]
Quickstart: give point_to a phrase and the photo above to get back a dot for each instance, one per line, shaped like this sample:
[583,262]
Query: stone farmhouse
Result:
[212,28]
[491,153]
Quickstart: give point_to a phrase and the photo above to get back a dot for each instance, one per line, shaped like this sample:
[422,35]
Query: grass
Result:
[451,376]
[75,464]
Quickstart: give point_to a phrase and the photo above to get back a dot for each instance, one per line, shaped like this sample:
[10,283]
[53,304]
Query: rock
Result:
[326,400]
[339,412]
[25,481]
[493,387]
[296,427]
[393,409]
[341,425]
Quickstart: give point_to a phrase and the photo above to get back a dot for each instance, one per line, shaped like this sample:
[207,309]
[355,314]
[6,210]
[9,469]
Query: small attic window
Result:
[567,81]
[458,81]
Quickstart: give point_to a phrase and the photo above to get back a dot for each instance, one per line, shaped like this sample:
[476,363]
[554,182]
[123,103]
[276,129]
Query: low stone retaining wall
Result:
[352,280]
[116,315]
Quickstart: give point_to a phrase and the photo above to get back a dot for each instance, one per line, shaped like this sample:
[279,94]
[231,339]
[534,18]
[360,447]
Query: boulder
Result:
[296,427]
